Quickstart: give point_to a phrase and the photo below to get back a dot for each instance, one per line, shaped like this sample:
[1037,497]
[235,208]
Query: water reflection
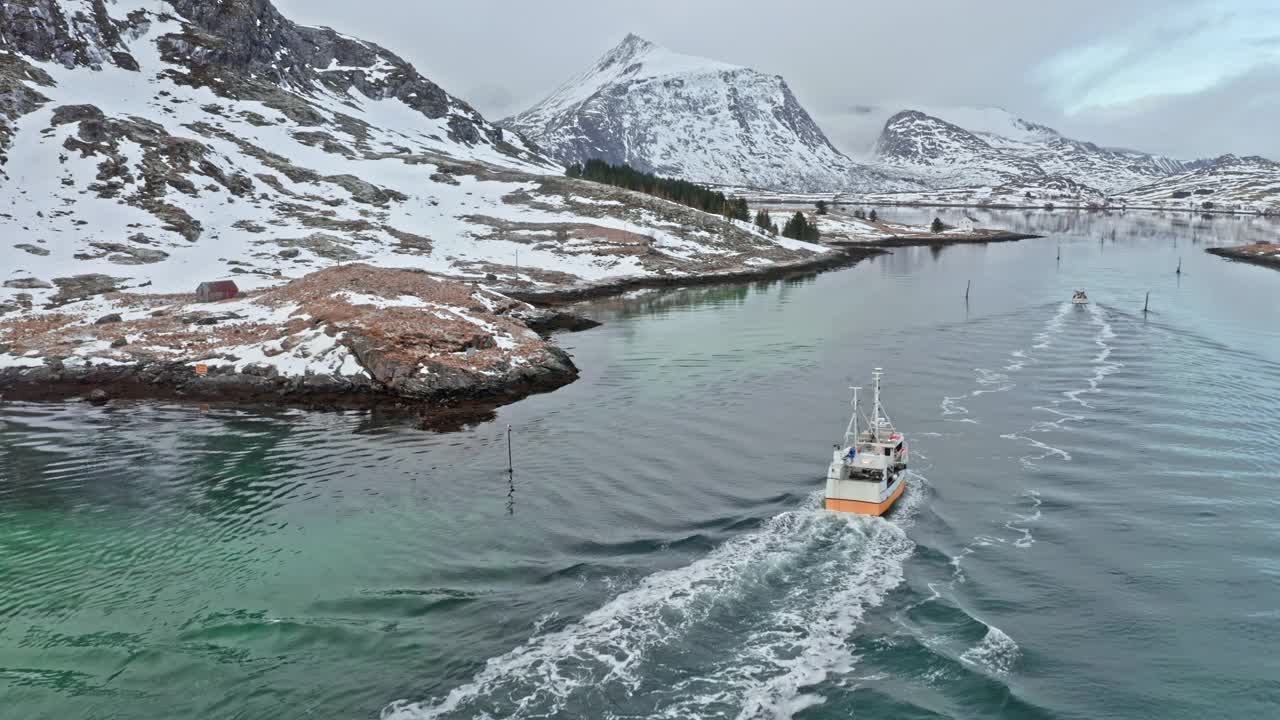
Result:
[659,302]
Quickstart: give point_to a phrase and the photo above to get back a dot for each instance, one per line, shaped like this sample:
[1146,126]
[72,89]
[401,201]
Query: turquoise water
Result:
[1090,529]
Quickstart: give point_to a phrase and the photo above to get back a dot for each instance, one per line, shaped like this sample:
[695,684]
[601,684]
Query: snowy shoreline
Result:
[836,201]
[837,257]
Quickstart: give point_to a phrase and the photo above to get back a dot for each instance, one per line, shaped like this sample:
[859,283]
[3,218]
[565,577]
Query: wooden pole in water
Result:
[511,477]
[966,290]
[1147,303]
[1179,270]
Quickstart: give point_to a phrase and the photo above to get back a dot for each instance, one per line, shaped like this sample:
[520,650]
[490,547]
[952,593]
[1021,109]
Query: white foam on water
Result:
[1002,388]
[1103,366]
[1052,329]
[997,652]
[1031,462]
[831,568]
[1051,425]
[951,407]
[1018,360]
[542,620]
[990,377]
[1020,521]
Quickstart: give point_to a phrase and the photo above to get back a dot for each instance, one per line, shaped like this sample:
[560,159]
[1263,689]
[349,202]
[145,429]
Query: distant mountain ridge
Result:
[703,120]
[998,147]
[1228,181]
[716,123]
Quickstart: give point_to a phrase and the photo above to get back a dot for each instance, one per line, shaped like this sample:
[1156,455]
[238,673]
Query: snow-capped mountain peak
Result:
[633,60]
[994,121]
[945,154]
[704,120]
[639,58]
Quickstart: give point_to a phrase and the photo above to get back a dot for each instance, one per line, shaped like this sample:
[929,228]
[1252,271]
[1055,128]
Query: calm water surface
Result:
[1090,532]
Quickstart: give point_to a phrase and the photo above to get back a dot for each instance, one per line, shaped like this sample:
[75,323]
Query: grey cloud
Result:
[837,56]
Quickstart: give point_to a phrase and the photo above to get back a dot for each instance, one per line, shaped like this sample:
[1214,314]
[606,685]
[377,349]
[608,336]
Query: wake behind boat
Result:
[868,469]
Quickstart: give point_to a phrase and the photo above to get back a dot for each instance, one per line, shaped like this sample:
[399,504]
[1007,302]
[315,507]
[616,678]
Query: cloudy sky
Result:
[1189,78]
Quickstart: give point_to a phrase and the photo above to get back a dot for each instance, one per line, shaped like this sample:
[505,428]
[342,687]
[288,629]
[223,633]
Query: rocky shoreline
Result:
[1265,254]
[839,257]
[350,336]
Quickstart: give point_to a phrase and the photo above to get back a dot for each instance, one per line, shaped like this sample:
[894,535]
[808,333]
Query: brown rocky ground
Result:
[342,331]
[1263,253]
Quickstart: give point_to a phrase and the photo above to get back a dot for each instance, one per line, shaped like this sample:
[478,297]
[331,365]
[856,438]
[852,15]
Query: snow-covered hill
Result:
[945,155]
[1226,183]
[694,118]
[151,144]
[968,147]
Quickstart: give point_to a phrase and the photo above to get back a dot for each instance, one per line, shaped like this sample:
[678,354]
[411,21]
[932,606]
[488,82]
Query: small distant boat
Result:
[1079,298]
[868,469]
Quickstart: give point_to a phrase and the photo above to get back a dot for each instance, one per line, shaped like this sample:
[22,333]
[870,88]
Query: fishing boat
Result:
[1079,298]
[868,468]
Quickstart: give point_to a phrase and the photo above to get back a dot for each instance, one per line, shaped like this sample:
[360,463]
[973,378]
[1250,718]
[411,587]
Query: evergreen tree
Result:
[872,216]
[859,214]
[799,228]
[794,226]
[675,190]
[937,226]
[821,205]
[765,222]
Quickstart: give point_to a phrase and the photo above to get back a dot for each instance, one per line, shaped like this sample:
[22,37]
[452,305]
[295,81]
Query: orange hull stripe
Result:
[866,508]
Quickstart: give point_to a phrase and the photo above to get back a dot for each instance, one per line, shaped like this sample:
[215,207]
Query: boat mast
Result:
[875,418]
[852,430]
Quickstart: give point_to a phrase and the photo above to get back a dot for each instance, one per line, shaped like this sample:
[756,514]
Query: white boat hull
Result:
[867,473]
[870,490]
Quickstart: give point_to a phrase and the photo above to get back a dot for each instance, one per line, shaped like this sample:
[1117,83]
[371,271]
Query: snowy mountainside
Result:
[150,144]
[702,120]
[973,146]
[946,155]
[1226,183]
